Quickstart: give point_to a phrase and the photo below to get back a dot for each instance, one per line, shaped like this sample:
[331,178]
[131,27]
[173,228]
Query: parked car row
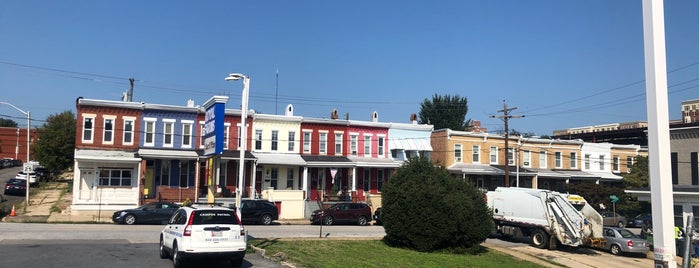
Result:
[344,212]
[8,163]
[258,211]
[16,186]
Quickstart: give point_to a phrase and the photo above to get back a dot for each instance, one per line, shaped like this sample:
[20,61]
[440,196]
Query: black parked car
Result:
[153,213]
[258,211]
[637,222]
[345,212]
[16,186]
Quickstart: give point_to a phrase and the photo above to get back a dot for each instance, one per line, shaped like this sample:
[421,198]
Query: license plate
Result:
[216,234]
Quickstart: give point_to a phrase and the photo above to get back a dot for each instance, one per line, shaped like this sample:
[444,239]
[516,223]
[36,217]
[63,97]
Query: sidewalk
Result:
[51,203]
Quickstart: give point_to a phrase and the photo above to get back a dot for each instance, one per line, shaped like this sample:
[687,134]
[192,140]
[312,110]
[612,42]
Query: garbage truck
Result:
[546,216]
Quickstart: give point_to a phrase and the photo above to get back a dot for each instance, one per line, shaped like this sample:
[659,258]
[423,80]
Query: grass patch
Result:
[374,253]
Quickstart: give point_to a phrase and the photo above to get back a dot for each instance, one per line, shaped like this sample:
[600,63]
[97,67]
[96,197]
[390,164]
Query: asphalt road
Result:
[6,201]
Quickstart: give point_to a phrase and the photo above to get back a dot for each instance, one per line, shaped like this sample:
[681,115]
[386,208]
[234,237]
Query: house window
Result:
[353,144]
[201,134]
[510,156]
[381,146]
[88,129]
[258,139]
[165,172]
[526,158]
[290,178]
[379,179]
[558,159]
[226,133]
[616,163]
[306,142]
[573,160]
[457,153]
[184,174]
[128,131]
[167,132]
[275,140]
[187,134]
[542,159]
[366,180]
[601,162]
[323,145]
[476,154]
[587,161]
[115,177]
[494,155]
[108,131]
[149,140]
[367,145]
[338,143]
[274,178]
[629,164]
[292,141]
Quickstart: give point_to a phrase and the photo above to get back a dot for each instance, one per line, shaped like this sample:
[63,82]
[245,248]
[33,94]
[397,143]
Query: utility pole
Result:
[506,117]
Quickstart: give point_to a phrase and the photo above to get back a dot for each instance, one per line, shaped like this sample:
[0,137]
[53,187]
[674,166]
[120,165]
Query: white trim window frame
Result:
[129,124]
[108,129]
[493,155]
[587,161]
[558,159]
[187,126]
[573,160]
[88,128]
[307,136]
[542,159]
[168,132]
[292,141]
[615,162]
[354,137]
[201,134]
[323,142]
[226,135]
[149,131]
[275,141]
[338,142]
[476,154]
[367,145]
[458,152]
[527,158]
[601,162]
[381,144]
[258,139]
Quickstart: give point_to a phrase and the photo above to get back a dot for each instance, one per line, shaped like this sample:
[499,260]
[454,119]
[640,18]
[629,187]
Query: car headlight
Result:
[122,213]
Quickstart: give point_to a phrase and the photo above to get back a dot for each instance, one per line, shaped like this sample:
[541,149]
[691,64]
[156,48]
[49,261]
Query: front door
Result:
[149,185]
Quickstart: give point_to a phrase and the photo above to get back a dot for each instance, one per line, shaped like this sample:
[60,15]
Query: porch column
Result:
[535,182]
[253,181]
[305,182]
[354,179]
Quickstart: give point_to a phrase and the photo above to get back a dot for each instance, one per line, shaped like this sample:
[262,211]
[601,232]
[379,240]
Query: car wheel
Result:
[266,219]
[236,262]
[615,249]
[176,257]
[540,238]
[362,221]
[328,220]
[620,224]
[129,219]
[163,252]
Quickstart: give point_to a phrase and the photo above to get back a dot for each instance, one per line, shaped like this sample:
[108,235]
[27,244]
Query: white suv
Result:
[203,231]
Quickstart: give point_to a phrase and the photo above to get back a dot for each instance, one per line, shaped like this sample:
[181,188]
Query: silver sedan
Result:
[620,240]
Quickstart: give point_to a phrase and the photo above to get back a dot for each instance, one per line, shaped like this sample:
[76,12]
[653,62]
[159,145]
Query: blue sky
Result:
[561,63]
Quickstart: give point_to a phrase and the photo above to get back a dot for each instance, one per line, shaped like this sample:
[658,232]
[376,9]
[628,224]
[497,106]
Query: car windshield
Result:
[626,233]
[215,217]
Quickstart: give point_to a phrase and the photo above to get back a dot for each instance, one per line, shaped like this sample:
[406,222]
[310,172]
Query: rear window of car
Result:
[16,181]
[214,217]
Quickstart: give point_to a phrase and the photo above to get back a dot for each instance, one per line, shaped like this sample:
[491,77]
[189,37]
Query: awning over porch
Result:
[608,176]
[167,154]
[410,144]
[478,169]
[230,155]
[374,162]
[327,161]
[105,156]
[279,159]
[547,173]
[577,174]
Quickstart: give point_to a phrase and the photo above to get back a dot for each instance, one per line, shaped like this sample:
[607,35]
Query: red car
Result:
[359,213]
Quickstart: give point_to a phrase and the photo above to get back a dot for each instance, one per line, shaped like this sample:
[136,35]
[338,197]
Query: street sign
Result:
[614,198]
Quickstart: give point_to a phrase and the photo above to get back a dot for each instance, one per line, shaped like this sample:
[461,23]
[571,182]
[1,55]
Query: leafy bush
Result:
[426,209]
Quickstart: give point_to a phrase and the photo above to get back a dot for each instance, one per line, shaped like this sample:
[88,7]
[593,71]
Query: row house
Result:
[133,153]
[531,162]
[684,162]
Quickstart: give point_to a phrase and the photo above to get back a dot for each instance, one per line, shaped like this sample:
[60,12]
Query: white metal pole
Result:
[243,143]
[658,134]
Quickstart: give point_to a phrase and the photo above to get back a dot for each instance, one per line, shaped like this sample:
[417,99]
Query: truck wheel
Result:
[540,238]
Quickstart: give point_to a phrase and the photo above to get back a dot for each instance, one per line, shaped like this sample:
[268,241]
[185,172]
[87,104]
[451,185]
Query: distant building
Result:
[689,111]
[13,142]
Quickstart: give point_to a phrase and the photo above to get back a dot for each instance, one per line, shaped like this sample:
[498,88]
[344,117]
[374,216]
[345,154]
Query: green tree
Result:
[638,177]
[427,209]
[56,144]
[7,123]
[445,112]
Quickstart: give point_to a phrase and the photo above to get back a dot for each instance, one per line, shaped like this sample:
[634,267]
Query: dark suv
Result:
[359,213]
[258,211]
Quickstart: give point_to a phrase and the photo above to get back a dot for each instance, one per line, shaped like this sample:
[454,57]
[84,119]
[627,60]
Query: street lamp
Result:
[243,134]
[28,127]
